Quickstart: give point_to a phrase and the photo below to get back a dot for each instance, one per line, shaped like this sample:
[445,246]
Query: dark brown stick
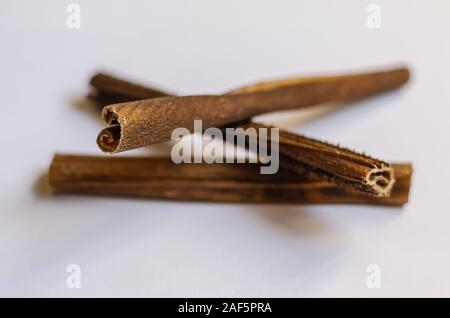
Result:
[159,178]
[341,166]
[111,90]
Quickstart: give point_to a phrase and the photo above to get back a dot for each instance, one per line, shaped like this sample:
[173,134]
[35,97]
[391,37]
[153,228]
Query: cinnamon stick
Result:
[332,163]
[343,167]
[159,178]
[145,122]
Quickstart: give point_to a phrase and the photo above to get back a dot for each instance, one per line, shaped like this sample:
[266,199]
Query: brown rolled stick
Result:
[159,178]
[338,165]
[145,122]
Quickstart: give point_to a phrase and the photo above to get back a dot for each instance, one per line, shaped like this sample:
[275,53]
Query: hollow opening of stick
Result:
[109,138]
[110,117]
[381,180]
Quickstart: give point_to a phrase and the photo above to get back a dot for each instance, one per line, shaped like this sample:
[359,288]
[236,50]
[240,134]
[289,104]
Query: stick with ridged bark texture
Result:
[160,178]
[341,166]
[145,122]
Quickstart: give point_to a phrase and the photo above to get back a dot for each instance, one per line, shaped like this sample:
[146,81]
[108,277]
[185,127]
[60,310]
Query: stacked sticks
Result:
[312,171]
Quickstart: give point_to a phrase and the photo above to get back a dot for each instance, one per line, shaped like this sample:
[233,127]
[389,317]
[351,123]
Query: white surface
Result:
[129,247]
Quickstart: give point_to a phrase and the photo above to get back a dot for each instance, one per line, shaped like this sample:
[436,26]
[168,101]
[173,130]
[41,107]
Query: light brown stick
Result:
[159,178]
[145,122]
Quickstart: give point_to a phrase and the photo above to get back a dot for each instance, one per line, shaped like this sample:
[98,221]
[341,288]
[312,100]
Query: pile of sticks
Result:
[312,171]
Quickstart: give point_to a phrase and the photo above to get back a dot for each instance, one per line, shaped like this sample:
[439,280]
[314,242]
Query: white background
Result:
[129,247]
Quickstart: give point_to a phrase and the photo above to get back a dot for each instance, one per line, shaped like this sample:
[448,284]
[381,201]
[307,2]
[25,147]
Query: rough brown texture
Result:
[341,166]
[145,122]
[159,178]
[332,163]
